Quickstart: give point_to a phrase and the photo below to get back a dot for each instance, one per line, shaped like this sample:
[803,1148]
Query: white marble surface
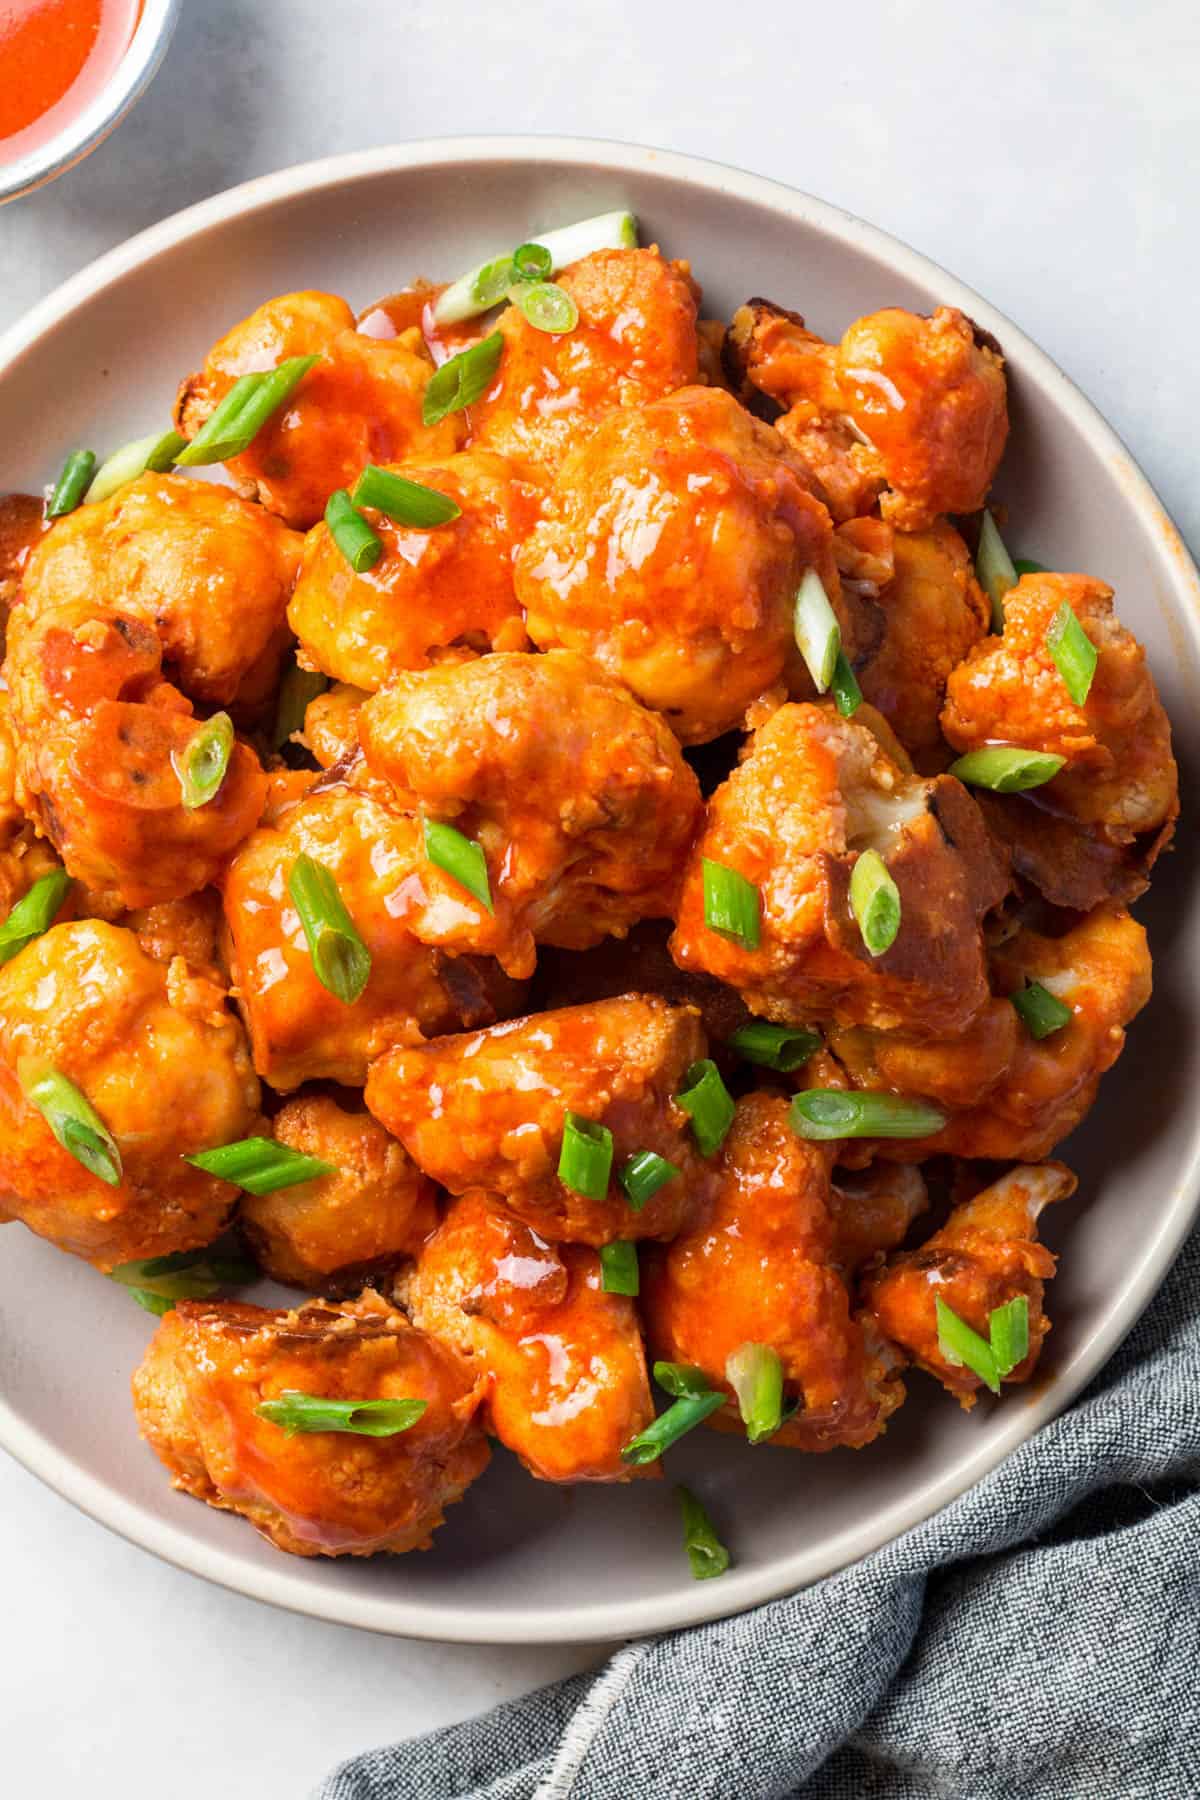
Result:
[1044,153]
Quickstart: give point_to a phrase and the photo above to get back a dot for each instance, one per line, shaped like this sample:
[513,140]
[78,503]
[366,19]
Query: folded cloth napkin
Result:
[1039,1639]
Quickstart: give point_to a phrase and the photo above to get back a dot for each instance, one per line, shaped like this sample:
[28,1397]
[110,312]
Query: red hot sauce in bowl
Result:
[56,56]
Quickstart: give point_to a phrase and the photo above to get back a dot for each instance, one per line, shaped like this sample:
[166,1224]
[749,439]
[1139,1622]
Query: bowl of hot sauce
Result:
[69,72]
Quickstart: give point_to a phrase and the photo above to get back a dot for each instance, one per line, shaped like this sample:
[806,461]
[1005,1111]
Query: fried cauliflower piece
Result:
[579,797]
[210,574]
[161,1060]
[360,403]
[673,544]
[812,793]
[190,928]
[1120,782]
[487,1110]
[442,592]
[376,1209]
[24,857]
[873,1209]
[97,729]
[331,724]
[298,1029]
[985,1255]
[640,963]
[1008,1095]
[635,341]
[211,1364]
[759,1264]
[925,398]
[563,1360]
[23,523]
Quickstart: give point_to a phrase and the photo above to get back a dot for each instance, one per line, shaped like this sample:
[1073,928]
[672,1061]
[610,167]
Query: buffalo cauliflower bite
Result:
[563,1360]
[435,593]
[985,1255]
[914,406]
[635,341]
[759,1264]
[373,1210]
[331,724]
[160,1059]
[210,1365]
[98,732]
[298,1029]
[208,572]
[579,797]
[190,928]
[813,792]
[23,523]
[673,544]
[488,1110]
[872,1210]
[360,403]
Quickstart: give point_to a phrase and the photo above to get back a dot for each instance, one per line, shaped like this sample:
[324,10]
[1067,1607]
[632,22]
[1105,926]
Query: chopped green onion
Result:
[294,1412]
[585,1160]
[1074,653]
[755,1374]
[1005,769]
[643,1175]
[71,1117]
[732,905]
[548,308]
[407,502]
[619,1268]
[234,424]
[532,262]
[994,568]
[1040,1011]
[1025,565]
[818,634]
[705,1551]
[824,1114]
[341,961]
[297,690]
[1008,1329]
[961,1346]
[782,1047]
[682,1380]
[680,1417]
[72,484]
[158,452]
[204,761]
[480,288]
[461,857]
[159,1282]
[361,547]
[260,1165]
[875,902]
[847,695]
[709,1105]
[33,913]
[462,379]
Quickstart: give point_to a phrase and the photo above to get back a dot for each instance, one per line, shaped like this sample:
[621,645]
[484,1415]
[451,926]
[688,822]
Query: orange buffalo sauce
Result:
[56,56]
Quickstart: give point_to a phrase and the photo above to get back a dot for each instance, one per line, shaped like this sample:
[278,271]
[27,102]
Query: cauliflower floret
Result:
[327,1493]
[812,793]
[563,1359]
[330,732]
[872,1210]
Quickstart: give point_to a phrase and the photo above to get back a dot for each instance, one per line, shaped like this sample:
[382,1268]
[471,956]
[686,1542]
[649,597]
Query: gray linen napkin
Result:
[1039,1639]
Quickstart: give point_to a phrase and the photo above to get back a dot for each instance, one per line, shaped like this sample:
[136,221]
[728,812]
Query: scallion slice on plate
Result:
[72,1118]
[1075,655]
[341,961]
[359,544]
[709,1105]
[818,634]
[847,695]
[991,1358]
[260,1165]
[875,902]
[461,857]
[994,568]
[782,1047]
[1005,769]
[547,307]
[1040,1011]
[619,1268]
[33,913]
[236,420]
[585,1159]
[755,1374]
[732,905]
[157,1283]
[825,1114]
[203,763]
[706,1553]
[72,483]
[295,1412]
[407,502]
[682,1416]
[157,453]
[643,1175]
[486,284]
[297,689]
[462,379]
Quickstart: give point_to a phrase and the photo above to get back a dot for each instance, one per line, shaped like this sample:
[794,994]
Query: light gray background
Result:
[1045,152]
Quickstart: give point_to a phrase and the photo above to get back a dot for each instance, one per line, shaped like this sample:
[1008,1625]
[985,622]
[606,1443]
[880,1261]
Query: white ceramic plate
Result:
[98,363]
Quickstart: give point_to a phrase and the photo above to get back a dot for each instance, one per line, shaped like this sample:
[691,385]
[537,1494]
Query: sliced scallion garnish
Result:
[818,634]
[260,1165]
[236,421]
[585,1159]
[203,762]
[547,307]
[1075,655]
[532,262]
[732,905]
[705,1551]
[643,1175]
[1008,1331]
[1005,769]
[755,1374]
[481,287]
[361,547]
[297,690]
[709,1105]
[72,483]
[407,502]
[157,1283]
[294,1412]
[847,695]
[1040,1012]
[72,1118]
[461,857]
[462,379]
[823,1114]
[341,961]
[1025,565]
[782,1047]
[695,1403]
[33,913]
[994,568]
[619,1268]
[875,902]
[158,453]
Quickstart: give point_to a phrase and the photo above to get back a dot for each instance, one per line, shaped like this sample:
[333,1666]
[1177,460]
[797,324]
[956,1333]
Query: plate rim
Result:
[286,1586]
